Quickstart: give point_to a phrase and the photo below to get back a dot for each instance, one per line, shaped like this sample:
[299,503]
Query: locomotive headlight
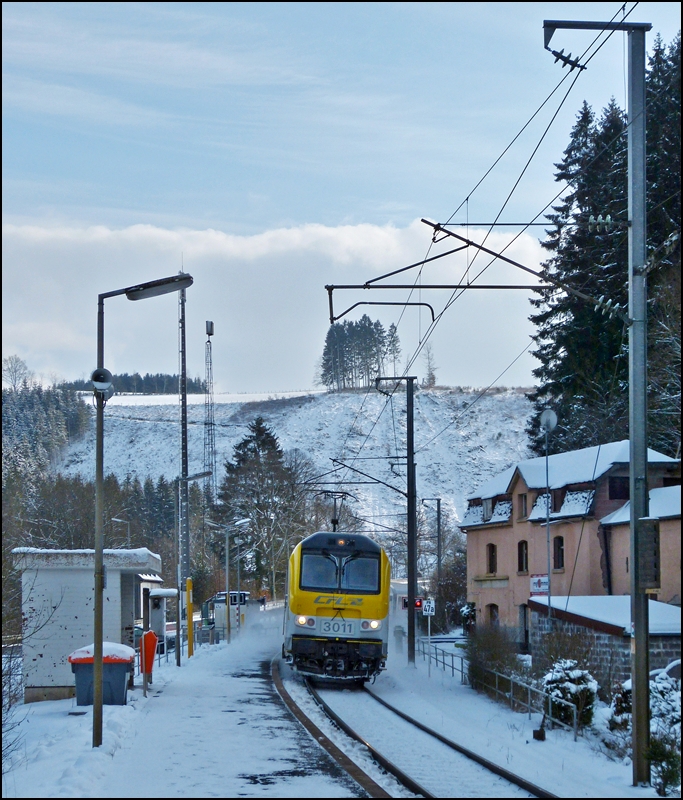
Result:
[374,624]
[305,622]
[301,620]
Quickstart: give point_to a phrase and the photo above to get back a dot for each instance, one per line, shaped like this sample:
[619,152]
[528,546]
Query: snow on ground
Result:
[560,765]
[452,459]
[215,728]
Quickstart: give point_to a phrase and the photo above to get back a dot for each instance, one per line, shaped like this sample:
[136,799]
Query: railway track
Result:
[423,761]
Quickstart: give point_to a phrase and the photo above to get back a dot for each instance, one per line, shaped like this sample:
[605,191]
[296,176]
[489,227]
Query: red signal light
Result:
[418,603]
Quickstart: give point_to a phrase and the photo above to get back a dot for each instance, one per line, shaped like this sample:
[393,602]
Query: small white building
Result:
[58,610]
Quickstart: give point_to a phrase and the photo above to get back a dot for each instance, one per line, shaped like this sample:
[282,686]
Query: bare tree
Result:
[15,372]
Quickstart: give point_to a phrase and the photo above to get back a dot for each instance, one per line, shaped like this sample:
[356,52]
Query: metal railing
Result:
[522,695]
[439,656]
[506,688]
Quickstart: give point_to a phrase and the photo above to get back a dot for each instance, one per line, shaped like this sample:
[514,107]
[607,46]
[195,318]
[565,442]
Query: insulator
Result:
[591,223]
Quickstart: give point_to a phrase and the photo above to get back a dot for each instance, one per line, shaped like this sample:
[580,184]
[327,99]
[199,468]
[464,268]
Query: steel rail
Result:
[537,791]
[390,767]
[362,778]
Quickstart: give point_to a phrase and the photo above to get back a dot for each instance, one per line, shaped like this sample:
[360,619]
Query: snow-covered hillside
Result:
[142,438]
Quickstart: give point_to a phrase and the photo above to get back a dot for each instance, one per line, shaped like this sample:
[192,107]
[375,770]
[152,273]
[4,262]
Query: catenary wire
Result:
[455,294]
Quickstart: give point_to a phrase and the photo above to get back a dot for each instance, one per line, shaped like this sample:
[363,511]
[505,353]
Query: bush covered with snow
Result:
[614,731]
[566,681]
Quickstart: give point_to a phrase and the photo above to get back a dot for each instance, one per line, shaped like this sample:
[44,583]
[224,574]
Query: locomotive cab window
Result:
[319,572]
[357,573]
[360,574]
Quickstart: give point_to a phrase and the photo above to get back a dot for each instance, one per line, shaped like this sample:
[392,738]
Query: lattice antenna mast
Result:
[209,421]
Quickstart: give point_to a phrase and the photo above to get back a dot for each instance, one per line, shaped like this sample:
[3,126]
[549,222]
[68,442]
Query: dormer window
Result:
[487,504]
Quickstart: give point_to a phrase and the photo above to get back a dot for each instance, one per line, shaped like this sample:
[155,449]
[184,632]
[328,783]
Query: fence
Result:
[439,656]
[505,688]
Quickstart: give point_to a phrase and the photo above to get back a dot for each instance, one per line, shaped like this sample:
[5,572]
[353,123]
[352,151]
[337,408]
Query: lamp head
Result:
[548,420]
[101,379]
[163,286]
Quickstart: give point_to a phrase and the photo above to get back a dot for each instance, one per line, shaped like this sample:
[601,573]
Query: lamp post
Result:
[125,522]
[102,380]
[548,423]
[184,481]
[227,529]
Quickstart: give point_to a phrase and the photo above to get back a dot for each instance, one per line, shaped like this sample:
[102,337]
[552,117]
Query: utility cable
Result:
[532,117]
[478,397]
[454,296]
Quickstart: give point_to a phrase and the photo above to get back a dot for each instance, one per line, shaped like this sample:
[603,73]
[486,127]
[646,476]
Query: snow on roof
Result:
[576,504]
[163,592]
[137,560]
[615,610]
[665,503]
[502,511]
[577,466]
[496,485]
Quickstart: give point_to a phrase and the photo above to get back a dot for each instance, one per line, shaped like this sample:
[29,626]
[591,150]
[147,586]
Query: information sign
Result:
[428,608]
[538,585]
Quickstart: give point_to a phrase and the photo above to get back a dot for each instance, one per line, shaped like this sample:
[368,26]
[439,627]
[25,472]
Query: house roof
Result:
[136,560]
[665,503]
[576,466]
[615,611]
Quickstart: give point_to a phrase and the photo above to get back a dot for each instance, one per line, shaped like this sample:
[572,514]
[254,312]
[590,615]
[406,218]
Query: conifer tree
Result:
[583,372]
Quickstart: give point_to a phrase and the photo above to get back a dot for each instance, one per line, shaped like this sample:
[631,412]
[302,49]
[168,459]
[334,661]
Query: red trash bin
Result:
[117,662]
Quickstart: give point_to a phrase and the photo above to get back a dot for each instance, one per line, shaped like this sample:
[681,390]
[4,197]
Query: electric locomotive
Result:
[337,610]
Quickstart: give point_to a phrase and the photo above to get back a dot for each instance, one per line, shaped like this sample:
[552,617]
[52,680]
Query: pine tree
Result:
[257,486]
[580,350]
[583,372]
[355,353]
[393,353]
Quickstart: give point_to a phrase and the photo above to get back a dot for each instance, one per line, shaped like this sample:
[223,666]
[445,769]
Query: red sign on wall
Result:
[538,585]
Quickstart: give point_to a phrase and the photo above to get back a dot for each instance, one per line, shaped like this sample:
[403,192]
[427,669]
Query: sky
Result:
[269,150]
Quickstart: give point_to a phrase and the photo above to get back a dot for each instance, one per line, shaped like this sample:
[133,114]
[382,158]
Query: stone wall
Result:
[611,653]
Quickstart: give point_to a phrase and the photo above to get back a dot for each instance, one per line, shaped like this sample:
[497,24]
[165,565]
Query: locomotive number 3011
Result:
[339,627]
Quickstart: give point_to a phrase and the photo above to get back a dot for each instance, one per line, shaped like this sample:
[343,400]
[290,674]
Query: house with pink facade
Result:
[508,547]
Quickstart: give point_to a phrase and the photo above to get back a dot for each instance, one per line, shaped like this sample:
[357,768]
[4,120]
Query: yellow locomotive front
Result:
[337,609]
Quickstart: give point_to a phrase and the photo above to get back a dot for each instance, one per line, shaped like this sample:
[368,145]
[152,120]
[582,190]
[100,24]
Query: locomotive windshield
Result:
[319,572]
[360,574]
[355,574]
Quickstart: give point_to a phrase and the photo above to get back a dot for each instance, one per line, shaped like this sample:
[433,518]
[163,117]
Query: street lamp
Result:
[102,381]
[125,522]
[228,528]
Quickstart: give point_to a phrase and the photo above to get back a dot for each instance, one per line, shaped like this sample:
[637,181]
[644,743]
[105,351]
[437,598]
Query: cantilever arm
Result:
[333,319]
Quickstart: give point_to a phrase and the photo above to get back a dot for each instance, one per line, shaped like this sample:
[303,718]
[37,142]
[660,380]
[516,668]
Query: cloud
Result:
[265,293]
